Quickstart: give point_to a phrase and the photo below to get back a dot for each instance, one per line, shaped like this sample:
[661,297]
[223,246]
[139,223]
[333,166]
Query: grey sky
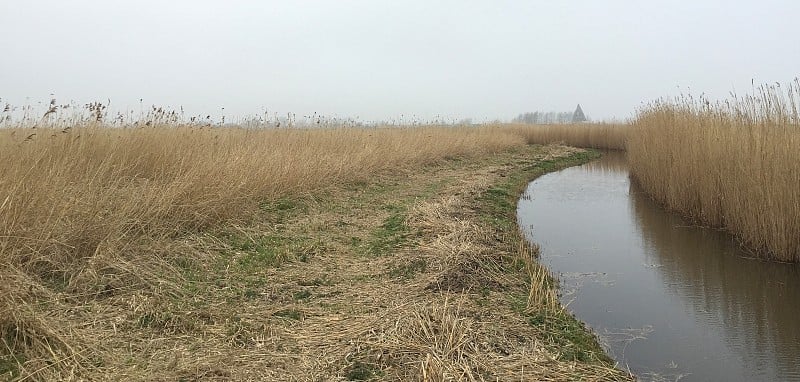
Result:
[380,59]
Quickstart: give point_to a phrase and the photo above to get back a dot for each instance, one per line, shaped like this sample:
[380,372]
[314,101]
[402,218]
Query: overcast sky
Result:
[380,59]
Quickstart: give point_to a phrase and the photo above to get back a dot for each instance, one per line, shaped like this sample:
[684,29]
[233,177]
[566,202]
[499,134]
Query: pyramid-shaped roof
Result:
[578,115]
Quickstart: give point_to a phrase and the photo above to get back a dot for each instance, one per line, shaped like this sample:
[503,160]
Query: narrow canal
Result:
[669,300]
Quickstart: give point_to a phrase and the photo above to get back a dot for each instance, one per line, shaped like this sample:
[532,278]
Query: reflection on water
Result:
[670,300]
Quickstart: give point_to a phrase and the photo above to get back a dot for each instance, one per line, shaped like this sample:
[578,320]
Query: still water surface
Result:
[671,301]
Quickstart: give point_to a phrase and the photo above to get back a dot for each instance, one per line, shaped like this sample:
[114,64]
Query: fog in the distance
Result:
[378,60]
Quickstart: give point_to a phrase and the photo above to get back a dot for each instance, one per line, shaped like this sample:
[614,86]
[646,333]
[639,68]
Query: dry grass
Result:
[68,194]
[69,199]
[80,207]
[732,165]
[590,135]
[466,330]
[112,264]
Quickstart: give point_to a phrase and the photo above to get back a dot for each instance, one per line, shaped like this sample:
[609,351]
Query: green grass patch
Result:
[392,234]
[239,332]
[304,294]
[167,322]
[9,366]
[259,251]
[360,371]
[408,270]
[355,241]
[433,188]
[292,314]
[283,208]
[319,281]
[569,337]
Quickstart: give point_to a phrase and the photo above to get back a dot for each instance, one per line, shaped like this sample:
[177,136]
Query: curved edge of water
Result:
[577,341]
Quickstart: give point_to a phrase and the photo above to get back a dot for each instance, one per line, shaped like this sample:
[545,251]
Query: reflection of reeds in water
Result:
[732,165]
[752,299]
[612,162]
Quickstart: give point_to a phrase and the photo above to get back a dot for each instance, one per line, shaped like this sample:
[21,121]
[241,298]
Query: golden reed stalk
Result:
[734,165]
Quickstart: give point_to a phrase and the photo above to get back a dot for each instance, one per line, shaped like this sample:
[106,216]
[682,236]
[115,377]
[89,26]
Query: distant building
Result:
[552,117]
[578,116]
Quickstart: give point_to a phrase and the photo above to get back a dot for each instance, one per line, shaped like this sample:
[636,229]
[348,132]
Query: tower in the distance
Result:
[578,116]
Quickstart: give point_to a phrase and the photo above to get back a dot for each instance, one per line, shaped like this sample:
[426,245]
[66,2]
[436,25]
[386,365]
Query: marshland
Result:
[399,191]
[352,253]
[169,250]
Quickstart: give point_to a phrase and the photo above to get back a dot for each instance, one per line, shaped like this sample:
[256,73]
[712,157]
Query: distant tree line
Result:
[552,117]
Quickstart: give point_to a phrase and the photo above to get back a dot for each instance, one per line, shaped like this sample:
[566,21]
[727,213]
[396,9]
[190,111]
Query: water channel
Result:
[670,301]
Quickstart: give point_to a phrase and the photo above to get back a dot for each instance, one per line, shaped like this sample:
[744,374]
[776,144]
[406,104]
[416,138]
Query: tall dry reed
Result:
[80,208]
[591,135]
[732,164]
[66,196]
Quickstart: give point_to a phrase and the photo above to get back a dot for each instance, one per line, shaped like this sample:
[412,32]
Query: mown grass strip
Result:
[567,336]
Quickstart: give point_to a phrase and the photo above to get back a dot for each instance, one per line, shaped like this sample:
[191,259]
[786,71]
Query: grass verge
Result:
[567,336]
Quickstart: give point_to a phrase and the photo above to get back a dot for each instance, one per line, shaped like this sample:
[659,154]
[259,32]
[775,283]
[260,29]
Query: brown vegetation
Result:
[589,135]
[82,208]
[195,253]
[72,196]
[732,165]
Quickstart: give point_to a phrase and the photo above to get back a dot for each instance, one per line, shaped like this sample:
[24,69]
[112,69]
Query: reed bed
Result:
[66,195]
[732,164]
[111,268]
[589,135]
[81,207]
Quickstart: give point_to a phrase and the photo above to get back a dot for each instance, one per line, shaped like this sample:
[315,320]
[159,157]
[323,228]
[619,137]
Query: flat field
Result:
[280,255]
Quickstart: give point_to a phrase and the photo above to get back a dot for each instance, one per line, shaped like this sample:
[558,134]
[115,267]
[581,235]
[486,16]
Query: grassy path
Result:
[413,276]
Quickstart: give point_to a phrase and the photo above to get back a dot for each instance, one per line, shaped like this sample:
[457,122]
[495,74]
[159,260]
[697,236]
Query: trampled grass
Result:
[89,191]
[81,207]
[272,283]
[119,245]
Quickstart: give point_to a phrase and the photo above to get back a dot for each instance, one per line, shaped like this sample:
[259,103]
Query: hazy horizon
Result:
[375,60]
